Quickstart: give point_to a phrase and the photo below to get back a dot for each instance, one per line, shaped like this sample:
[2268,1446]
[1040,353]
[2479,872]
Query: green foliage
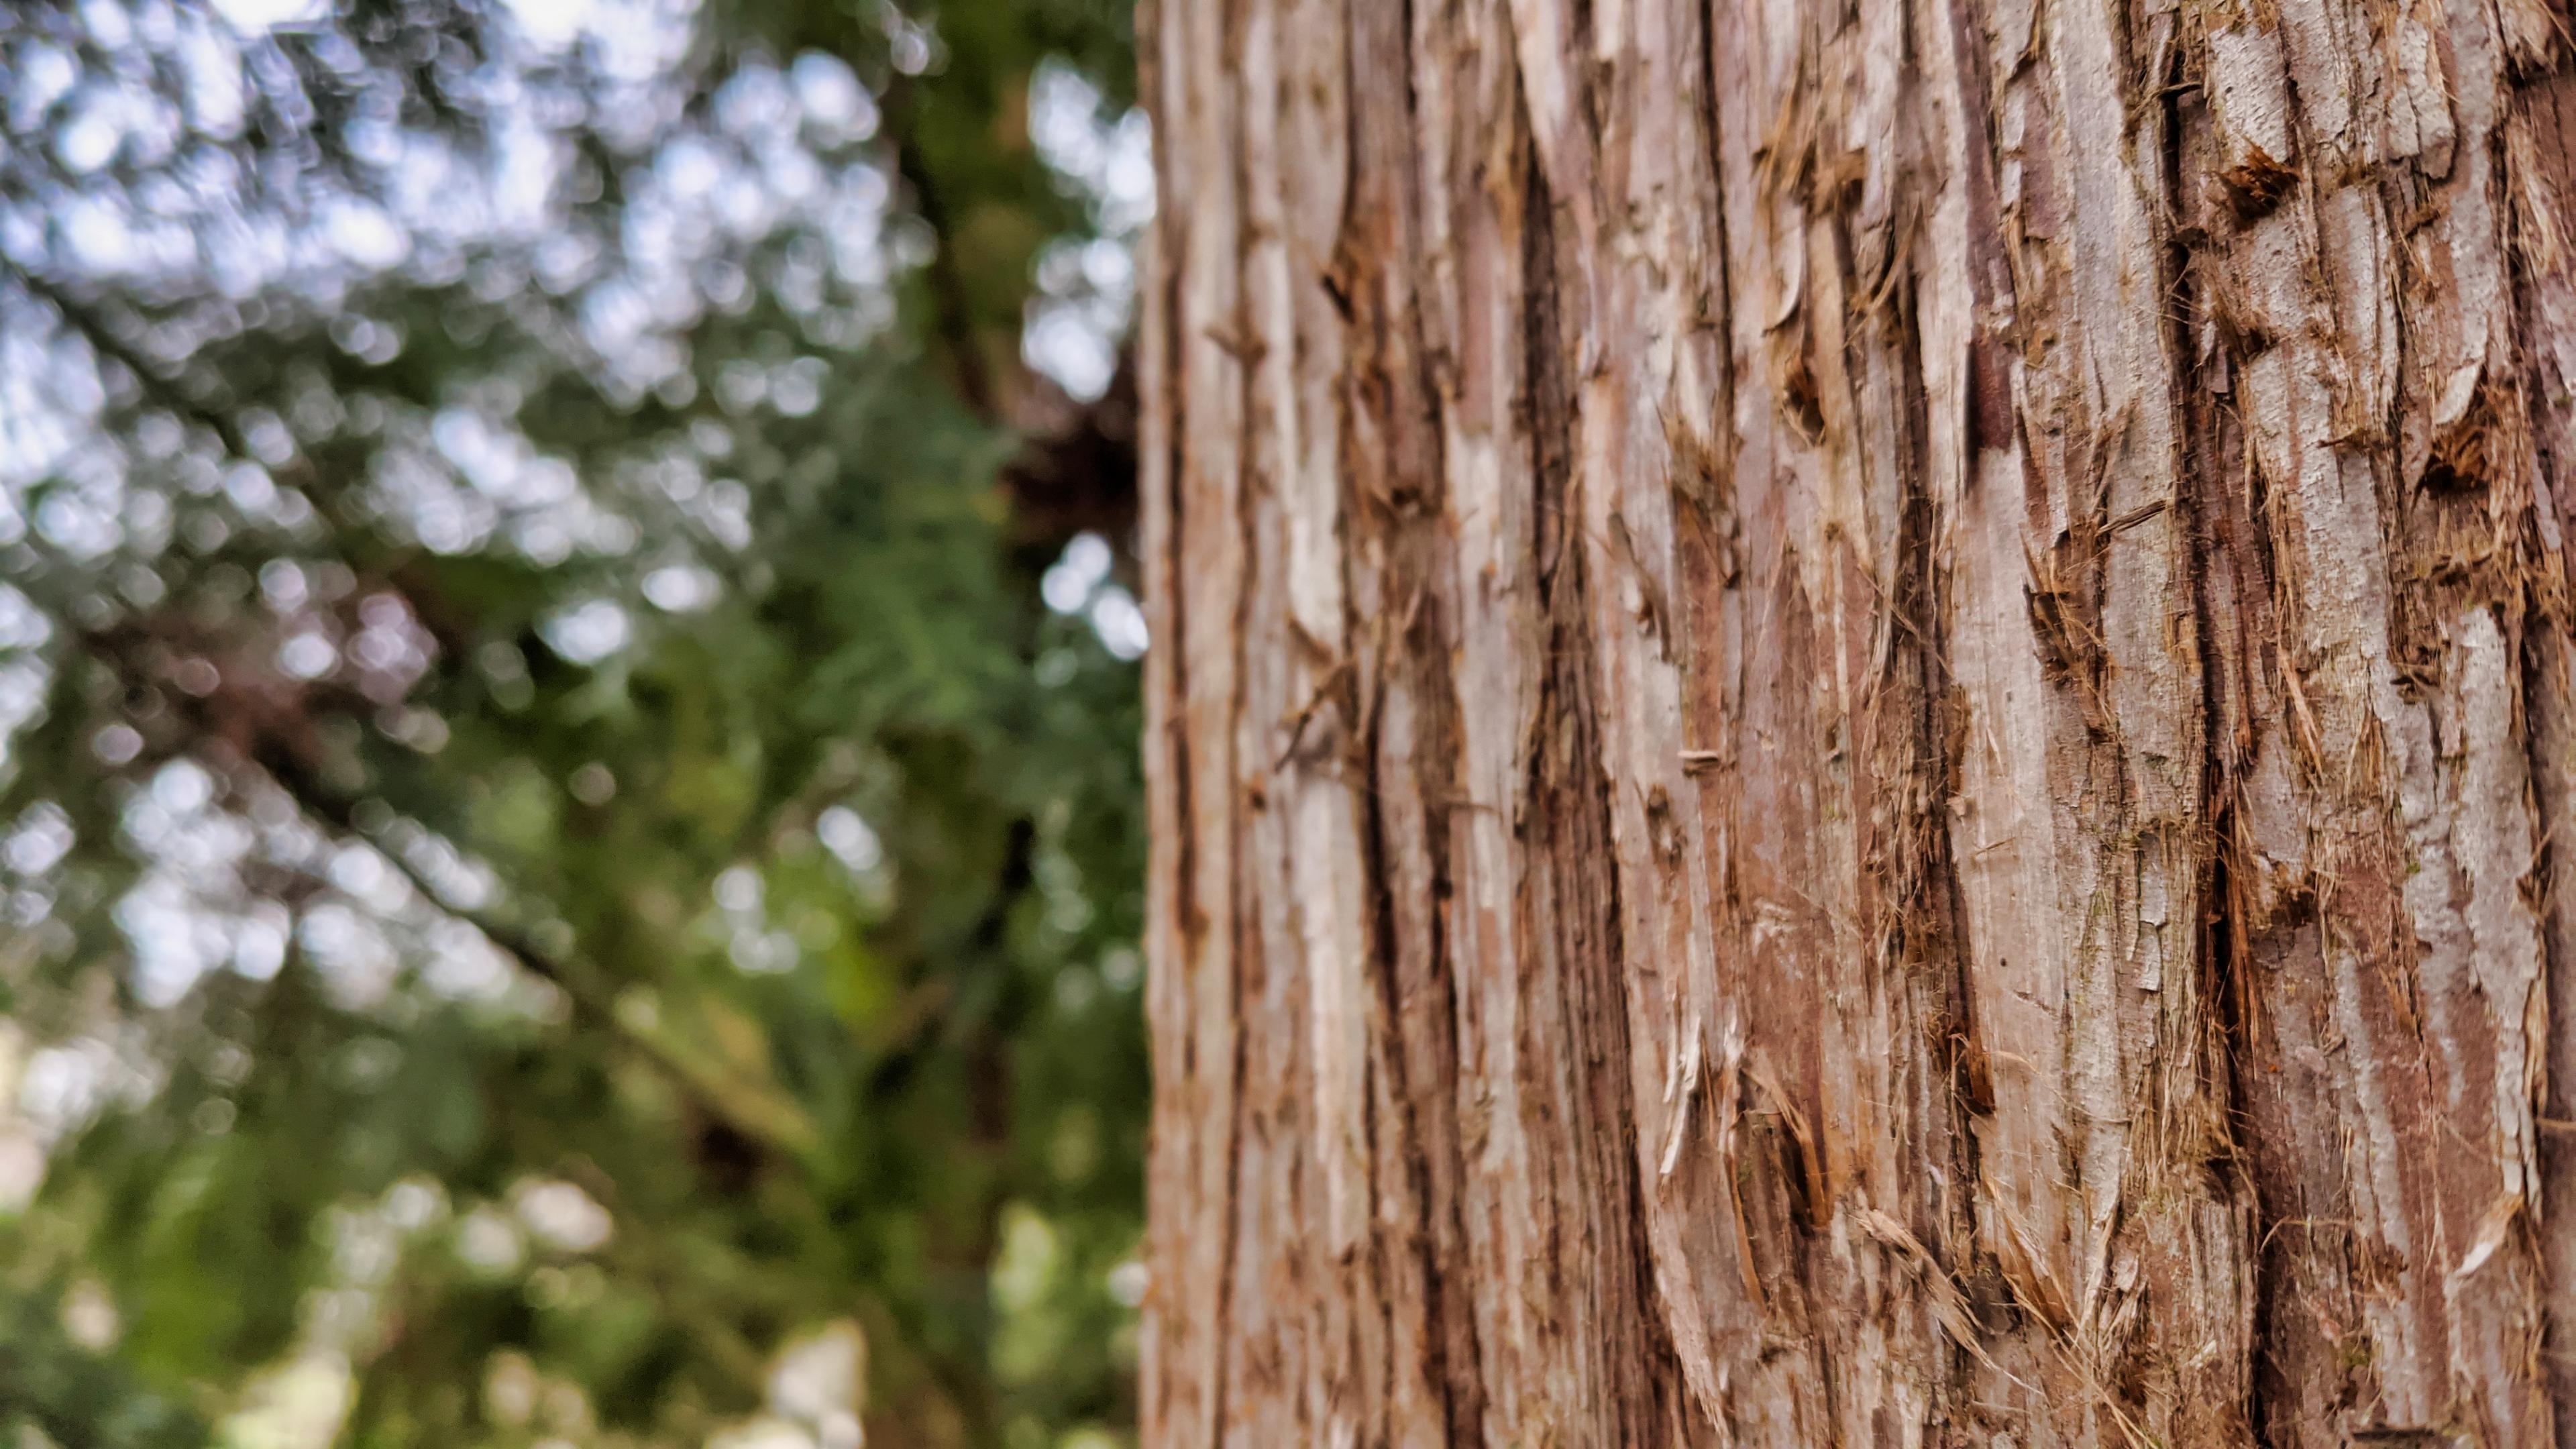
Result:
[556,867]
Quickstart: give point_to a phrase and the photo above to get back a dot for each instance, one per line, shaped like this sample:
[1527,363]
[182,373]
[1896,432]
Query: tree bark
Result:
[1861,722]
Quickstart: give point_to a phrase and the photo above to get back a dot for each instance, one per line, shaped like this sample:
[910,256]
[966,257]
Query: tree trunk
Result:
[1861,722]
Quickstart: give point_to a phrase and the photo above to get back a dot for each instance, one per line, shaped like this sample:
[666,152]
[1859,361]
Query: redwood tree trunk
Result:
[1861,722]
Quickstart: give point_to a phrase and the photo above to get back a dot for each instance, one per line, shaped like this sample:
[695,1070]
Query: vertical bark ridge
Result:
[1391,449]
[2540,150]
[1569,910]
[2358,319]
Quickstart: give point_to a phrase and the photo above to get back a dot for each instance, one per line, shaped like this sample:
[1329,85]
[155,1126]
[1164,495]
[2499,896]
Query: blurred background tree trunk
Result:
[1860,723]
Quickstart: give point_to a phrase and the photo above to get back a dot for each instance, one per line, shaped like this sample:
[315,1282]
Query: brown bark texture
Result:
[1860,722]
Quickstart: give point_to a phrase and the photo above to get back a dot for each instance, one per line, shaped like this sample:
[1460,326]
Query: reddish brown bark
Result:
[1861,722]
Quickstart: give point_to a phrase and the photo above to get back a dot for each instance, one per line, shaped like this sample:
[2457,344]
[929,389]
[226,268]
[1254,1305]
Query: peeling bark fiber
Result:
[1861,723]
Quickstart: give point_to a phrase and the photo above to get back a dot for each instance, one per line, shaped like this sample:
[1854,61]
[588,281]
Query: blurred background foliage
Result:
[569,841]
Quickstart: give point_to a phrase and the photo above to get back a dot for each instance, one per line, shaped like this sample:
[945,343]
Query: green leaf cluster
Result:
[559,882]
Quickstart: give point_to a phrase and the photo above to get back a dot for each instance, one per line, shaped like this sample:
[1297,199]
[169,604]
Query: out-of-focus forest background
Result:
[569,838]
